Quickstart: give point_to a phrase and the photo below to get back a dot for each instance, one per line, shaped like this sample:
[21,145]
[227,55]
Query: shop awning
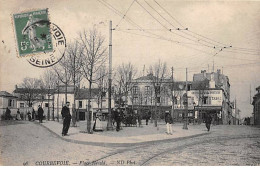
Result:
[218,108]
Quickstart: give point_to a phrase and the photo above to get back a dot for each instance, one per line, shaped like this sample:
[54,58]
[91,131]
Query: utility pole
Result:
[250,95]
[235,111]
[185,124]
[109,124]
[172,87]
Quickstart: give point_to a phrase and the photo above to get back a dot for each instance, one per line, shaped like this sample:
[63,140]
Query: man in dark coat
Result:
[8,114]
[117,119]
[208,121]
[66,116]
[33,115]
[147,117]
[40,113]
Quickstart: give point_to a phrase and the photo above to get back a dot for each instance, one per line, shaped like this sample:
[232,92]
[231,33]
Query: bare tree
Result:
[74,56]
[49,81]
[158,73]
[125,73]
[32,90]
[102,84]
[94,57]
[62,69]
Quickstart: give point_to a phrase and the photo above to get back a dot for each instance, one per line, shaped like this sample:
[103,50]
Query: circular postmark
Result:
[47,59]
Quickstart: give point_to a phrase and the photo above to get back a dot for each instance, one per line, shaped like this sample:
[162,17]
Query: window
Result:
[80,104]
[147,90]
[205,100]
[9,103]
[21,105]
[46,104]
[157,89]
[175,100]
[158,99]
[135,101]
[135,89]
[189,87]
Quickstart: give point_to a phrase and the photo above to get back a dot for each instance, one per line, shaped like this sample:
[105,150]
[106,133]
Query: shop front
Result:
[214,111]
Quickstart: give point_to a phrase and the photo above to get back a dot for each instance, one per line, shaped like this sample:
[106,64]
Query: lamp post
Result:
[48,115]
[185,125]
[194,105]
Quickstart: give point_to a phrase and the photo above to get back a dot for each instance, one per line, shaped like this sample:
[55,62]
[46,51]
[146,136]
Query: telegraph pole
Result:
[185,124]
[109,124]
[172,87]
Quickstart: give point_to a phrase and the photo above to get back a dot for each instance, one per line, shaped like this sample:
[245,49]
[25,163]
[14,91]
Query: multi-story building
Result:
[217,99]
[208,93]
[256,104]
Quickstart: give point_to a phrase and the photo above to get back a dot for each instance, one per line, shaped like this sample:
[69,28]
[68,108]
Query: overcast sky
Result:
[228,23]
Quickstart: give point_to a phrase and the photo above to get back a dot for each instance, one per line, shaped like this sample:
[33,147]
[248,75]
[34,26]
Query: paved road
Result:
[225,145]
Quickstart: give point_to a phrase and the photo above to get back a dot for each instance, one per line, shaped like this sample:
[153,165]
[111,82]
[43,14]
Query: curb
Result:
[121,144]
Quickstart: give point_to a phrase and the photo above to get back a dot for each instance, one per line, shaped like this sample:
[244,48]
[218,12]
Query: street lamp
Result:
[48,116]
[185,103]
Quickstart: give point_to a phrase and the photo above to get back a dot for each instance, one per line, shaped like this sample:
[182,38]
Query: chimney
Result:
[204,73]
[218,71]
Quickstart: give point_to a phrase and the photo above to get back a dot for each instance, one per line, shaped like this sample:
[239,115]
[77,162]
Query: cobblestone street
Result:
[30,144]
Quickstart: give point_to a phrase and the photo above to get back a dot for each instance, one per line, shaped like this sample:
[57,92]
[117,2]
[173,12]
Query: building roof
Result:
[144,78]
[6,94]
[148,77]
[199,85]
[25,90]
[62,89]
[84,93]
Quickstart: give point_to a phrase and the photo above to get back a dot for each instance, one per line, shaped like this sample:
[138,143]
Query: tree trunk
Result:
[88,111]
[74,105]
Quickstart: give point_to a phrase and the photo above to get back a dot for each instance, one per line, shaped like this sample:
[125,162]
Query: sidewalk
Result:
[127,137]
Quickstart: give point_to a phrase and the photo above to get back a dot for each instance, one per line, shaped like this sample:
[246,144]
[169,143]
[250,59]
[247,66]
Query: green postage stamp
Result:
[32,31]
[40,41]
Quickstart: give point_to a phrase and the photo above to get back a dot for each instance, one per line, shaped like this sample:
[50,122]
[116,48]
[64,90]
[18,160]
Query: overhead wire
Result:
[170,30]
[141,29]
[237,48]
[229,47]
[125,13]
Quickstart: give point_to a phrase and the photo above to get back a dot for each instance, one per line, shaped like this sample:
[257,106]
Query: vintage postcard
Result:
[129,83]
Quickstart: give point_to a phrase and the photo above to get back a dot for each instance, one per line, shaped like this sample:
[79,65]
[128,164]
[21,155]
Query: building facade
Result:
[7,100]
[256,104]
[208,93]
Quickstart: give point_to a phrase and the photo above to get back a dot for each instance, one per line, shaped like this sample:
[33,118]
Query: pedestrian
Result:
[168,121]
[139,118]
[147,117]
[208,121]
[66,116]
[117,119]
[33,114]
[8,114]
[40,113]
[18,115]
[29,116]
[98,124]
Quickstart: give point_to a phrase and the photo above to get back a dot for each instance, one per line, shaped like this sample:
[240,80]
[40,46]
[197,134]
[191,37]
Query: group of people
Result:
[21,116]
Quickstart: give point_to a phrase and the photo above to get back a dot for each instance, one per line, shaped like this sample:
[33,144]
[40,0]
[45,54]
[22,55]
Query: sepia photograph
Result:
[129,83]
